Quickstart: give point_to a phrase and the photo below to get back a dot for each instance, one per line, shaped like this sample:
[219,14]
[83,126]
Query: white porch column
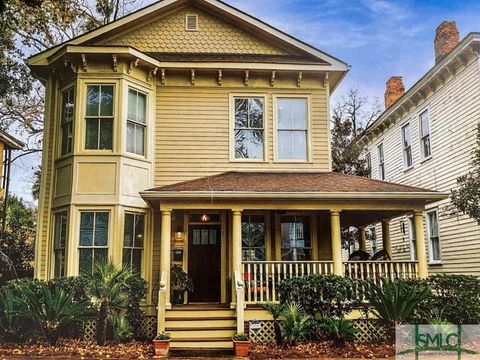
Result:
[165,252]
[236,248]
[336,235]
[362,239]
[420,244]
[387,242]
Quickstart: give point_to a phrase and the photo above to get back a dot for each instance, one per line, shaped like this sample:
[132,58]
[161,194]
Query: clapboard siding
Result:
[192,133]
[454,111]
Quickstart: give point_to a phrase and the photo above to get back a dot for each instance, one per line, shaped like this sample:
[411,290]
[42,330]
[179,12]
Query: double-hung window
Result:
[253,238]
[425,146]
[93,244]
[411,238]
[407,146]
[381,162]
[433,236]
[368,164]
[295,237]
[68,112]
[59,243]
[99,117]
[133,239]
[249,128]
[373,241]
[136,122]
[292,129]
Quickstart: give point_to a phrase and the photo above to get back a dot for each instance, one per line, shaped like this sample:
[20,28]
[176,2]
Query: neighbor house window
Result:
[411,238]
[433,237]
[253,238]
[295,236]
[407,146]
[93,244]
[368,164]
[373,241]
[99,117]
[381,162]
[425,146]
[68,111]
[133,240]
[249,130]
[136,122]
[292,128]
[59,243]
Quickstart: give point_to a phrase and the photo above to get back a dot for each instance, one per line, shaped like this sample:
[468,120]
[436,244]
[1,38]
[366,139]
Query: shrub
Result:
[276,311]
[295,323]
[12,325]
[320,296]
[76,285]
[339,330]
[136,289]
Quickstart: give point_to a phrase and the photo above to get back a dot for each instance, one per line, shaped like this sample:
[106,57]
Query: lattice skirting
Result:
[368,330]
[147,329]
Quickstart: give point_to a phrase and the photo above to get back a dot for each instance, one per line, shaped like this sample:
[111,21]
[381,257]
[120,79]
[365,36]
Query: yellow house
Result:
[192,133]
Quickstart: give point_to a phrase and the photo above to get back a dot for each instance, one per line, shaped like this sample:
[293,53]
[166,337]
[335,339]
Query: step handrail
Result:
[240,301]
[162,302]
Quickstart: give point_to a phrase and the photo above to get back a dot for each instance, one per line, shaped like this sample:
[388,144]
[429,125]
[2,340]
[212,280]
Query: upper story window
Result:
[68,113]
[136,122]
[292,128]
[368,164]
[59,243]
[249,128]
[425,146]
[253,238]
[433,236]
[407,146]
[133,239]
[381,162]
[93,244]
[295,236]
[99,117]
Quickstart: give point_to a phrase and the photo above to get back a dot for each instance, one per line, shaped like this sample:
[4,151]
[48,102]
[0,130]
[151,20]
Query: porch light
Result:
[205,218]
[179,234]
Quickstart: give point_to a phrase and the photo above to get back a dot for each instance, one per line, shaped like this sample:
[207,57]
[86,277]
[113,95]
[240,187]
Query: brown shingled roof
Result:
[321,182]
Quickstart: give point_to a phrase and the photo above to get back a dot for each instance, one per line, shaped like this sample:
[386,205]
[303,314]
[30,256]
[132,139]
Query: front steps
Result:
[201,327]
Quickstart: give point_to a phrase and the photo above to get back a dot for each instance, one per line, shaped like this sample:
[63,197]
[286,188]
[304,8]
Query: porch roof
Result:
[311,185]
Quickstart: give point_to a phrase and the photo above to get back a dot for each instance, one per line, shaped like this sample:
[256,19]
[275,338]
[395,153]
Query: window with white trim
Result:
[295,237]
[253,238]
[411,239]
[68,113]
[59,243]
[433,236]
[368,164]
[93,244]
[425,145]
[99,117]
[381,162]
[136,122]
[407,145]
[133,240]
[292,129]
[249,128]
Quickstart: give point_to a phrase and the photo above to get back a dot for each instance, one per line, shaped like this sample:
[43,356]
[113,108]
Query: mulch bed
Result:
[323,349]
[80,348]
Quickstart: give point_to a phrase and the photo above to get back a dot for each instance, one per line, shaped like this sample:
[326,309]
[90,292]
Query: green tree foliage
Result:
[466,197]
[295,323]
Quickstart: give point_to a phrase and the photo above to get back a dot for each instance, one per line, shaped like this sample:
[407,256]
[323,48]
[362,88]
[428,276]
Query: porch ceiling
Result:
[366,217]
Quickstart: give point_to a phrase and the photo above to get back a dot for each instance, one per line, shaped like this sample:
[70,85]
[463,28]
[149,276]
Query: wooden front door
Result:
[204,262]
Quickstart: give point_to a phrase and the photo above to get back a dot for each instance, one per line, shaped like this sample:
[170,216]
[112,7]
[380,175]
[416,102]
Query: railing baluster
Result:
[248,281]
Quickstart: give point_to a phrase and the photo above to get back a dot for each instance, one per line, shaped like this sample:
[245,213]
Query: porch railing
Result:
[261,278]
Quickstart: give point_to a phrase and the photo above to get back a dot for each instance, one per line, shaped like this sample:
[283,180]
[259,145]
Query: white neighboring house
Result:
[425,138]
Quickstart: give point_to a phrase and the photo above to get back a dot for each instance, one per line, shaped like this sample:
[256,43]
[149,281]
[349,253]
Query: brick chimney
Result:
[393,90]
[446,38]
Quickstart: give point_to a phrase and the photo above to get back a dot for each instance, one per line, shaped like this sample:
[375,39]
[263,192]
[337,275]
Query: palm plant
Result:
[11,324]
[295,323]
[52,312]
[107,286]
[275,309]
[339,330]
[394,302]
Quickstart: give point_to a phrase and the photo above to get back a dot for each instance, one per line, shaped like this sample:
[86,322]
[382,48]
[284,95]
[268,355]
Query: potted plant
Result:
[179,282]
[241,344]
[161,345]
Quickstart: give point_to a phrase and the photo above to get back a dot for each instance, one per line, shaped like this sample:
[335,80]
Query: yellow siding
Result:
[192,132]
[454,112]
[214,35]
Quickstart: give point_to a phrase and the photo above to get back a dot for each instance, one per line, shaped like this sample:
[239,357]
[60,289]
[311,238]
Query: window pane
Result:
[426,146]
[101,229]
[139,140]
[85,262]
[68,105]
[241,113]
[142,108]
[128,230]
[91,138]
[137,260]
[127,257]
[132,105]
[292,145]
[100,255]
[249,144]
[93,100]
[67,138]
[130,137]
[86,228]
[106,128]
[406,136]
[284,113]
[59,263]
[139,230]
[424,124]
[106,100]
[433,224]
[299,114]
[295,236]
[255,113]
[299,145]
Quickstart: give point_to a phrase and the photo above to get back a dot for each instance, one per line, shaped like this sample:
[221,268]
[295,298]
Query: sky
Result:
[377,38]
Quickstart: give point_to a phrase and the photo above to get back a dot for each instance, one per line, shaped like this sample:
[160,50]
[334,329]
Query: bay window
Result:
[68,113]
[59,243]
[99,117]
[249,128]
[292,129]
[136,122]
[93,244]
[133,240]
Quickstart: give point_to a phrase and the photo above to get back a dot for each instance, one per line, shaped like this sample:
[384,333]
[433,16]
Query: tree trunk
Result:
[102,323]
